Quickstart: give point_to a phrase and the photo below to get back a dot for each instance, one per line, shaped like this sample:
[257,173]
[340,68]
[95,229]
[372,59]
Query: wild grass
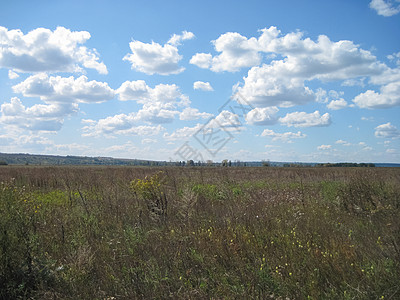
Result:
[198,233]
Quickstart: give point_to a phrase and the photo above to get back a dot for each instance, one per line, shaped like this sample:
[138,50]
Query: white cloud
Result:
[302,119]
[323,59]
[109,125]
[294,60]
[337,104]
[385,8]
[176,39]
[321,96]
[265,86]
[302,57]
[226,119]
[395,57]
[367,118]
[67,148]
[182,134]
[39,117]
[389,96]
[167,94]
[122,124]
[5,140]
[155,58]
[160,104]
[354,82]
[156,114]
[27,143]
[12,74]
[285,137]
[126,150]
[281,83]
[149,141]
[64,90]
[324,147]
[193,114]
[43,50]
[204,86]
[387,131]
[262,116]
[202,60]
[391,151]
[236,52]
[342,142]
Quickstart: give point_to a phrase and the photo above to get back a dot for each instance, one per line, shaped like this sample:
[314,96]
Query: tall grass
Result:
[195,233]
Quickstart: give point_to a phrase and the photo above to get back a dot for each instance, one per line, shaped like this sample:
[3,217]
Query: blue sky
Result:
[310,81]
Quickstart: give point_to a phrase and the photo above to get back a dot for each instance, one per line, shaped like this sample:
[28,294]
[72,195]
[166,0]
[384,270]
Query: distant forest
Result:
[46,160]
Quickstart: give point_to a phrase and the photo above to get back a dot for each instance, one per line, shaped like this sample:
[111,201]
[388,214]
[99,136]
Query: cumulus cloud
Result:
[354,82]
[342,142]
[293,60]
[61,89]
[302,119]
[61,95]
[303,57]
[284,137]
[264,87]
[189,114]
[122,124]
[391,151]
[395,57]
[202,60]
[168,94]
[34,142]
[156,114]
[12,75]
[322,59]
[236,52]
[282,82]
[39,117]
[387,131]
[155,58]
[176,39]
[43,50]
[182,134]
[160,104]
[337,104]
[324,147]
[149,141]
[386,8]
[227,120]
[389,96]
[204,86]
[262,116]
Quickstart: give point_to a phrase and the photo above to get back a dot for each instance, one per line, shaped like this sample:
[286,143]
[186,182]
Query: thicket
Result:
[196,233]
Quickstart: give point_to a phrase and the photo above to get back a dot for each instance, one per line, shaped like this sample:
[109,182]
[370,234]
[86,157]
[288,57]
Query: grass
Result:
[196,233]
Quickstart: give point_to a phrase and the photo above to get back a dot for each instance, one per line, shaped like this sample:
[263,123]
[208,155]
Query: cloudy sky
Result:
[310,81]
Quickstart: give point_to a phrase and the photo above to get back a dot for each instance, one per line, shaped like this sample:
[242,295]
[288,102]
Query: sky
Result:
[304,81]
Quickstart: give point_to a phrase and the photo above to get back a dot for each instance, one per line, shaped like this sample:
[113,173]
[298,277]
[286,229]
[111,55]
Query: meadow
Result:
[199,233]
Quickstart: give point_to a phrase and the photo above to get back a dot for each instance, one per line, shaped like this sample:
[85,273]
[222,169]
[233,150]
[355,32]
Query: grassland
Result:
[199,233]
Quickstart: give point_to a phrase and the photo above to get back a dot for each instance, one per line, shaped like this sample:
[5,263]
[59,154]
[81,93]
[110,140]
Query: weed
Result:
[197,233]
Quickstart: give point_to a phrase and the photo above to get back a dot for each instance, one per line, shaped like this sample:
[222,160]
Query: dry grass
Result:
[195,233]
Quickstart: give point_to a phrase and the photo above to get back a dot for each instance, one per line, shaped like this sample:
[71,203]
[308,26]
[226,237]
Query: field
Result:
[199,233]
